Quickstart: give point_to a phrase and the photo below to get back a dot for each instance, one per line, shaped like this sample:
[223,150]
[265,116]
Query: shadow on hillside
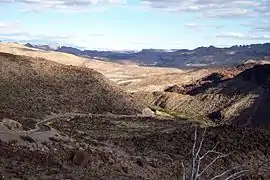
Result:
[257,115]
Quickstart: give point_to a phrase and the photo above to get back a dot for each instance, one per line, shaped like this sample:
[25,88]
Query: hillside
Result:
[243,99]
[161,82]
[35,87]
[129,75]
[121,73]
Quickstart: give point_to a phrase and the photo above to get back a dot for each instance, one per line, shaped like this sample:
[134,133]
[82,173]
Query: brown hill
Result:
[34,87]
[242,100]
[123,74]
[210,80]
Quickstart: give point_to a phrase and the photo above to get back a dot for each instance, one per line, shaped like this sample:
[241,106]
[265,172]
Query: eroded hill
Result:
[121,73]
[35,87]
[243,99]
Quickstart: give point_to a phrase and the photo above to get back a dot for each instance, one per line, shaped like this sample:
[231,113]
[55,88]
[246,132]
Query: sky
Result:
[135,24]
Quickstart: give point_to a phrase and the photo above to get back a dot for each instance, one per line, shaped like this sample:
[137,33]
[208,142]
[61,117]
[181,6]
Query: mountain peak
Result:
[29,45]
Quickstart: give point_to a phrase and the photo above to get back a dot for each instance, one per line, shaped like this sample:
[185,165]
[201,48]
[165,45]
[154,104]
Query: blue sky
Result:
[135,24]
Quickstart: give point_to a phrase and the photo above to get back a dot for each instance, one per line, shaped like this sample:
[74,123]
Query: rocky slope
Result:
[243,99]
[34,87]
[212,79]
[137,148]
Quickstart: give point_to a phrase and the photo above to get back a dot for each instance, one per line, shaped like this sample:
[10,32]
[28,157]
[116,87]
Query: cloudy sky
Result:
[136,24]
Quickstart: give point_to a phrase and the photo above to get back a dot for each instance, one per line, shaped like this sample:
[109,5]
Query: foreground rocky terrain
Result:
[113,147]
[70,122]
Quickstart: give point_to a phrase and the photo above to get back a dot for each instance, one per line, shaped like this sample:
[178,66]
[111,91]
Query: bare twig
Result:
[197,161]
[236,175]
[197,157]
[193,155]
[210,151]
[209,165]
[226,172]
[200,146]
[184,171]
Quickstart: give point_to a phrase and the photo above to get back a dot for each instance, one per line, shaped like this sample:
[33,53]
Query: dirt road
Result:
[41,125]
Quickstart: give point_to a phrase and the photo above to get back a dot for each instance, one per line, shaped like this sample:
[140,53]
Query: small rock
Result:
[45,177]
[79,157]
[148,112]
[125,169]
[140,162]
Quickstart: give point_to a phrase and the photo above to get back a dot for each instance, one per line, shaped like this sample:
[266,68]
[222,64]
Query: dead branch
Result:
[237,175]
[226,172]
[197,161]
[184,171]
[193,154]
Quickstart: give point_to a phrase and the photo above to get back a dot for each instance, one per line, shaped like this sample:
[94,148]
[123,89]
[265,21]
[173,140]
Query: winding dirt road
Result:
[43,132]
[41,125]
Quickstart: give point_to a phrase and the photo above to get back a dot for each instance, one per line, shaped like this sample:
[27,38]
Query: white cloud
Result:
[65,5]
[242,11]
[17,33]
[241,36]
[231,35]
[261,28]
[192,25]
[68,38]
[213,9]
[25,36]
[2,25]
[201,26]
[8,27]
[257,26]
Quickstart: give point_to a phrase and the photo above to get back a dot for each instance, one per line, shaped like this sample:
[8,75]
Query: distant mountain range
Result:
[201,56]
